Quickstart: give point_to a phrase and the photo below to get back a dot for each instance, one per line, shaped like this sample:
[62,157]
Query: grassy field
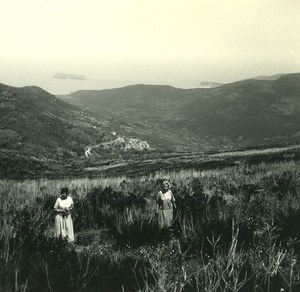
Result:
[135,164]
[236,228]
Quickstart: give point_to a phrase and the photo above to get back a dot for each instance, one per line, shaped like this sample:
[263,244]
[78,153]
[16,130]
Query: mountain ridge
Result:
[41,133]
[241,113]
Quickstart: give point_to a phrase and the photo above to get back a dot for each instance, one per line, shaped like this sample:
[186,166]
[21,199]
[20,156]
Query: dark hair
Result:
[64,191]
[166,181]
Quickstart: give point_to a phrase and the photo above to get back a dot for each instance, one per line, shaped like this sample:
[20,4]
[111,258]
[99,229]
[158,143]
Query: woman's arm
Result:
[157,202]
[173,200]
[71,204]
[57,210]
[70,208]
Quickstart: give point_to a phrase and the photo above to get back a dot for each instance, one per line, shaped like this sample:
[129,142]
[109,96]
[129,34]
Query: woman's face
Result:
[165,186]
[63,196]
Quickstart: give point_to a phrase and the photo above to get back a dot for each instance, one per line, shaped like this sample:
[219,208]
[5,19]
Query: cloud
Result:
[60,75]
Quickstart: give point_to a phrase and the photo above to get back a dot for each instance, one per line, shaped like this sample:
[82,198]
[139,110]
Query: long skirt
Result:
[165,218]
[64,227]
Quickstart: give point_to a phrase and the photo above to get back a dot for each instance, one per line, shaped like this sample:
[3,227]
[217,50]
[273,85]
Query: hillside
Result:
[241,114]
[138,111]
[37,124]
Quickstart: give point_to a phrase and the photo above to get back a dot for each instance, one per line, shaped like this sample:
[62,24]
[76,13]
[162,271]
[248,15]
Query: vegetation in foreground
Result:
[236,229]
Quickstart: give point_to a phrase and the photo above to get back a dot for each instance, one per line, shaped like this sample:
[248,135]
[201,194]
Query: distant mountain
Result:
[142,111]
[208,84]
[245,113]
[41,134]
[37,124]
[268,77]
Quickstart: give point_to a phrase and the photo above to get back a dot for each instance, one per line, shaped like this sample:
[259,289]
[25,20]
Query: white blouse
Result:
[62,204]
[166,196]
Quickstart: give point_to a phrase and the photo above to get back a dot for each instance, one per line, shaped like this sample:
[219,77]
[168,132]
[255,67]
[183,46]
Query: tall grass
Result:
[232,232]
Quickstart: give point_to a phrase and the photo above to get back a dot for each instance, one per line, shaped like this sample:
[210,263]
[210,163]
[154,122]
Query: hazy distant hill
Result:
[35,123]
[244,113]
[268,77]
[208,84]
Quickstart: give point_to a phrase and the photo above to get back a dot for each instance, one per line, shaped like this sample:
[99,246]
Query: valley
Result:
[73,135]
[240,114]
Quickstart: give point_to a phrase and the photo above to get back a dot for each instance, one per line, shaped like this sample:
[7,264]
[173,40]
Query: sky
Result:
[115,43]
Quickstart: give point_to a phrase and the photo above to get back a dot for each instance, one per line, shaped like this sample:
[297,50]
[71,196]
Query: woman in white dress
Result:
[165,206]
[63,220]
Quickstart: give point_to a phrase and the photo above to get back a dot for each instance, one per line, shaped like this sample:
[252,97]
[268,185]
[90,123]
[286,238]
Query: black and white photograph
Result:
[149,146]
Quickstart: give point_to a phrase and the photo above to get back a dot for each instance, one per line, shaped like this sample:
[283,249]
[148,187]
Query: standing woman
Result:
[63,220]
[165,206]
